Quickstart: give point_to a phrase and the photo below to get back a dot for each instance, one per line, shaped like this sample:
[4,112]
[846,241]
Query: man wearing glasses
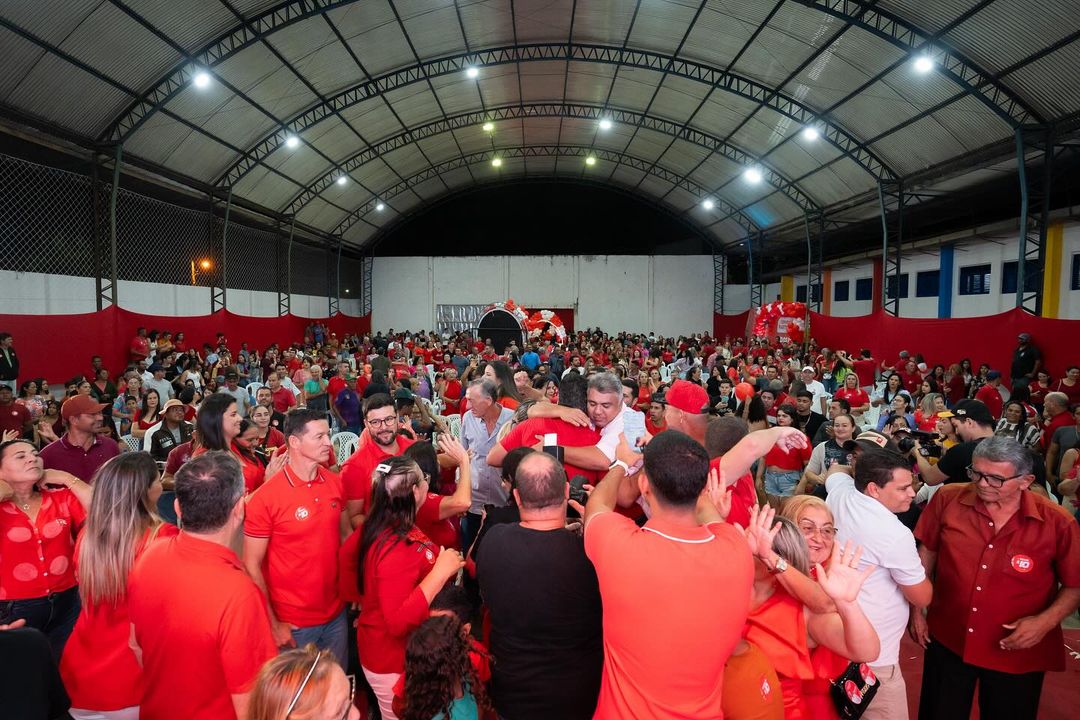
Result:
[973,422]
[379,441]
[1006,568]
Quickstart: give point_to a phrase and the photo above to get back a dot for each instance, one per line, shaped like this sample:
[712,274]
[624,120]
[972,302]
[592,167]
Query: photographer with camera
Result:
[973,422]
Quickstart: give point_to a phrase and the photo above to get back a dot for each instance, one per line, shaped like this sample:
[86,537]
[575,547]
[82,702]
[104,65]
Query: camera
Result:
[907,438]
[577,491]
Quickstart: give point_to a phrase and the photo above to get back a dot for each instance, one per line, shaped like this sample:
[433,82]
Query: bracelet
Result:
[620,463]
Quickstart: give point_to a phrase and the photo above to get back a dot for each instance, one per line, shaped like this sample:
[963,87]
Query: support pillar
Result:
[1035,186]
[719,281]
[945,281]
[891,205]
[284,285]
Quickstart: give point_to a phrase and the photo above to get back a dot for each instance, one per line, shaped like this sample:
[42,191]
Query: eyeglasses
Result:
[993,481]
[384,422]
[809,529]
[300,690]
[352,695]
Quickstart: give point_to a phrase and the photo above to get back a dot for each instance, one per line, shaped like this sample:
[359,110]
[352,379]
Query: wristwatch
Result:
[620,463]
[780,566]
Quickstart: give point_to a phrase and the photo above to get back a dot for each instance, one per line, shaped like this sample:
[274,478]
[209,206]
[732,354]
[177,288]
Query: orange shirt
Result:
[194,607]
[778,627]
[356,471]
[99,669]
[665,641]
[753,688]
[302,521]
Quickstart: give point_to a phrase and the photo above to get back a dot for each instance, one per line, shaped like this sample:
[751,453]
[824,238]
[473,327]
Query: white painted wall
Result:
[663,294]
[39,294]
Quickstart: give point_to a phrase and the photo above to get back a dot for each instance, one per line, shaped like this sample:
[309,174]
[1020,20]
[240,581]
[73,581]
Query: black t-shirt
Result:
[810,425]
[955,460]
[546,626]
[1024,361]
[30,683]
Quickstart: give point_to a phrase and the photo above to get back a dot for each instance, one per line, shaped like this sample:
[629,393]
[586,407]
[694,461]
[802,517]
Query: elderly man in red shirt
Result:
[1006,569]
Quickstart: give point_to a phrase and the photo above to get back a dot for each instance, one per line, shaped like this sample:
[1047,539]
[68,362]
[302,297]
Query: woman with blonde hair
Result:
[303,684]
[99,669]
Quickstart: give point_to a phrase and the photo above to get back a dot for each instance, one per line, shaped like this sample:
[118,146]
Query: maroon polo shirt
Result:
[986,577]
[62,455]
[15,417]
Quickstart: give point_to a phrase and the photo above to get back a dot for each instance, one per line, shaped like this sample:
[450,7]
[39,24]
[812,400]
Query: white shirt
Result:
[819,391]
[887,545]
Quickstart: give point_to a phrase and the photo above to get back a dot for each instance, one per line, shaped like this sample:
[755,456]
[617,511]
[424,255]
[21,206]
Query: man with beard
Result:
[379,441]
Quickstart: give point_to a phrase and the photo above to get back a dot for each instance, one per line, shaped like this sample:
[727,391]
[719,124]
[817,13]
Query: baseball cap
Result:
[232,375]
[688,397]
[660,396]
[1024,337]
[80,405]
[403,394]
[970,409]
[993,375]
[156,367]
[810,368]
[869,439]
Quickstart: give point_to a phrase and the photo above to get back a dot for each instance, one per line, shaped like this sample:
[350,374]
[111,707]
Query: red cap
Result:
[688,397]
[80,405]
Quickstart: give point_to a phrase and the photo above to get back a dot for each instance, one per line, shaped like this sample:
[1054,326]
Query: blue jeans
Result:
[54,614]
[781,483]
[332,635]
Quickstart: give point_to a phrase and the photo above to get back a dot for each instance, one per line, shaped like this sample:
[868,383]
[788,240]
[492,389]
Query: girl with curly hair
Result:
[440,680]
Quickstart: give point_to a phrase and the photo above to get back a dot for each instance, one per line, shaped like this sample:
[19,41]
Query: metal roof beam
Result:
[966,73]
[528,151]
[714,144]
[848,144]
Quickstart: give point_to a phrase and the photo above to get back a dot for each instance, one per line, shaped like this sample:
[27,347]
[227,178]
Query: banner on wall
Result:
[58,347]
[784,320]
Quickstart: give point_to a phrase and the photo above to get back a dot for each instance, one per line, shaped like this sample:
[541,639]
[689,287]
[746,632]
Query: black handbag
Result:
[853,690]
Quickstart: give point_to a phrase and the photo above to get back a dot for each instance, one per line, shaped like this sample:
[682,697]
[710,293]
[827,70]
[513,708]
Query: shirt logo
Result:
[766,689]
[1022,563]
[334,504]
[302,513]
[429,555]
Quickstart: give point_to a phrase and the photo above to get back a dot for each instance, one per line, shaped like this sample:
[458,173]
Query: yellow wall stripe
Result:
[787,288]
[1051,288]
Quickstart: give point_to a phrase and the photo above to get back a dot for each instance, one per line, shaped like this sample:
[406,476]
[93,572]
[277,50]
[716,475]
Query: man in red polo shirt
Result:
[1006,569]
[139,347]
[14,417]
[294,523]
[283,398]
[658,584]
[82,449]
[193,606]
[990,394]
[379,440]
[1056,410]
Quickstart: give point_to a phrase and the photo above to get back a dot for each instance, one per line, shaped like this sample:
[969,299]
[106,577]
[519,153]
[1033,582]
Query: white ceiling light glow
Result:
[496,162]
[707,204]
[472,73]
[810,133]
[488,126]
[342,180]
[605,124]
[590,160]
[292,142]
[924,64]
[380,207]
[201,80]
[752,175]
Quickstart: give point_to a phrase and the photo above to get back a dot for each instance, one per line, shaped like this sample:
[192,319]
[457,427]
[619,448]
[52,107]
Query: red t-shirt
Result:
[1073,391]
[866,370]
[856,398]
[140,348]
[393,603]
[357,470]
[989,396]
[302,521]
[651,428]
[335,385]
[656,566]
[38,558]
[911,382]
[98,667]
[524,434]
[14,417]
[194,606]
[1063,419]
[283,399]
[442,533]
[785,460]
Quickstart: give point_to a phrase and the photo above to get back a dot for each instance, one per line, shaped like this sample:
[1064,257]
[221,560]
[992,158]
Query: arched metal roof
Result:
[393,95]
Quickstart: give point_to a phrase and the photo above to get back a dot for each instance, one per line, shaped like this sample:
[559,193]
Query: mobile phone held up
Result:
[551,446]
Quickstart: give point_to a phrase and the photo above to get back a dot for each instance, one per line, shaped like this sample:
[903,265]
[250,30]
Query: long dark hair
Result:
[145,407]
[208,431]
[436,661]
[505,377]
[393,506]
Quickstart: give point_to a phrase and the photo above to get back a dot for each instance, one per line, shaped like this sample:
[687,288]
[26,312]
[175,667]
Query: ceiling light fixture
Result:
[292,142]
[810,133]
[590,160]
[752,175]
[472,73]
[924,64]
[380,207]
[496,162]
[488,126]
[605,124]
[342,180]
[707,204]
[201,80]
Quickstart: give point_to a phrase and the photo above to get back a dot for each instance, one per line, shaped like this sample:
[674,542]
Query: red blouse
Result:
[36,558]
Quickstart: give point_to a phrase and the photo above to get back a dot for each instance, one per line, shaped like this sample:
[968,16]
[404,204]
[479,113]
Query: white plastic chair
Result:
[133,443]
[665,373]
[252,388]
[344,445]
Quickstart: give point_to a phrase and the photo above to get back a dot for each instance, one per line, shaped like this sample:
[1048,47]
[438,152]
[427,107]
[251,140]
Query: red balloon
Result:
[743,390]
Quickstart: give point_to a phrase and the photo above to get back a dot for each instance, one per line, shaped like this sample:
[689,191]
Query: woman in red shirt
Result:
[100,672]
[216,428]
[501,373]
[267,438]
[785,630]
[854,394]
[779,473]
[401,570]
[148,415]
[41,512]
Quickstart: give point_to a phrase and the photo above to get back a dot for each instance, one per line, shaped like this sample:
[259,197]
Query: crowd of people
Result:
[611,526]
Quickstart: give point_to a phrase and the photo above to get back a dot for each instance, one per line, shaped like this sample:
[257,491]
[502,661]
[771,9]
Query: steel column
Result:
[753,275]
[217,287]
[891,195]
[719,262]
[109,292]
[333,281]
[1034,213]
[284,296]
[365,284]
[815,240]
